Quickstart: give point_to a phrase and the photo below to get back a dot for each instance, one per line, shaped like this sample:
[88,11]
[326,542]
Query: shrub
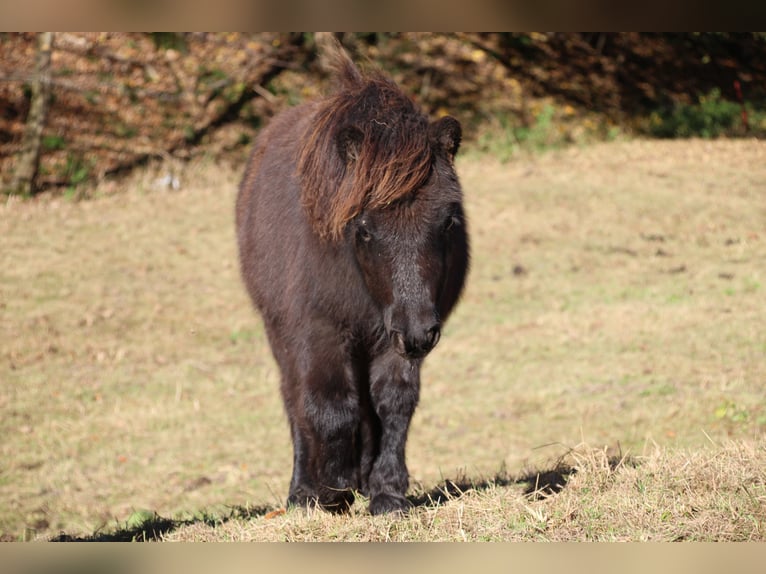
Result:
[711,117]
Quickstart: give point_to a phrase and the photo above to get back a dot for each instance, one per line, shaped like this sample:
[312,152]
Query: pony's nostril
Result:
[434,334]
[415,347]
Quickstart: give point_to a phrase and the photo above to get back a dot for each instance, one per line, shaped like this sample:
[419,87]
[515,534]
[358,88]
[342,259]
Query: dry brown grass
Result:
[616,298]
[713,494]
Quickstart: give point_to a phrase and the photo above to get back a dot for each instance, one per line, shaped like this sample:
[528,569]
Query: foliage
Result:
[77,169]
[711,116]
[125,98]
[54,142]
[121,99]
[510,136]
[169,41]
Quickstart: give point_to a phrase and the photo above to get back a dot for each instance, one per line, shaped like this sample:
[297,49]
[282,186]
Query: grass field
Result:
[613,325]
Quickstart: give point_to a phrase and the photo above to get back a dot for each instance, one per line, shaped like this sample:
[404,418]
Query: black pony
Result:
[354,248]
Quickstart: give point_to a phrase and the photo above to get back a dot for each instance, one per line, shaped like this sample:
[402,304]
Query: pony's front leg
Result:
[330,423]
[394,390]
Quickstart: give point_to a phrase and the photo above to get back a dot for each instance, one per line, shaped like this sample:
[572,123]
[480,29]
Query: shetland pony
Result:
[354,248]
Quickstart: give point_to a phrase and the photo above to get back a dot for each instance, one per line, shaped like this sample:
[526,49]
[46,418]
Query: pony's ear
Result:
[446,134]
[349,142]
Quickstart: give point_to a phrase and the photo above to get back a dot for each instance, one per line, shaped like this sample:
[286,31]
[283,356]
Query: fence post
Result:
[28,159]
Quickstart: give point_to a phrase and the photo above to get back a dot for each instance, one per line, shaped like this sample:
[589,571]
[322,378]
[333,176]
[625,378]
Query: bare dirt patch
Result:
[616,298]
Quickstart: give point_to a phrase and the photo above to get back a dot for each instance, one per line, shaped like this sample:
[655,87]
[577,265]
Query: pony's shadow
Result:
[155,528]
[535,485]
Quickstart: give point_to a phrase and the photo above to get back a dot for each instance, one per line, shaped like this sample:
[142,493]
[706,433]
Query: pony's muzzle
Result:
[415,346]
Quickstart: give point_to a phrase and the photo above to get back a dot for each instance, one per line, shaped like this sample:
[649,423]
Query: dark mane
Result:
[366,146]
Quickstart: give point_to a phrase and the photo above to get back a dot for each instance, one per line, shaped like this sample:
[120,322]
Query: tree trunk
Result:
[27,160]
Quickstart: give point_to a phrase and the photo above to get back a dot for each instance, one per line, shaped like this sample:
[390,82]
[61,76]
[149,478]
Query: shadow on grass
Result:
[536,485]
[155,527]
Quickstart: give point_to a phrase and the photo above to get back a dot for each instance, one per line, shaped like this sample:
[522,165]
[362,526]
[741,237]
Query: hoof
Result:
[385,503]
[336,501]
[302,497]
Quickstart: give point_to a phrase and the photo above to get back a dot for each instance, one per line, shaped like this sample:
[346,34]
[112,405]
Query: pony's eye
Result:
[363,233]
[452,221]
